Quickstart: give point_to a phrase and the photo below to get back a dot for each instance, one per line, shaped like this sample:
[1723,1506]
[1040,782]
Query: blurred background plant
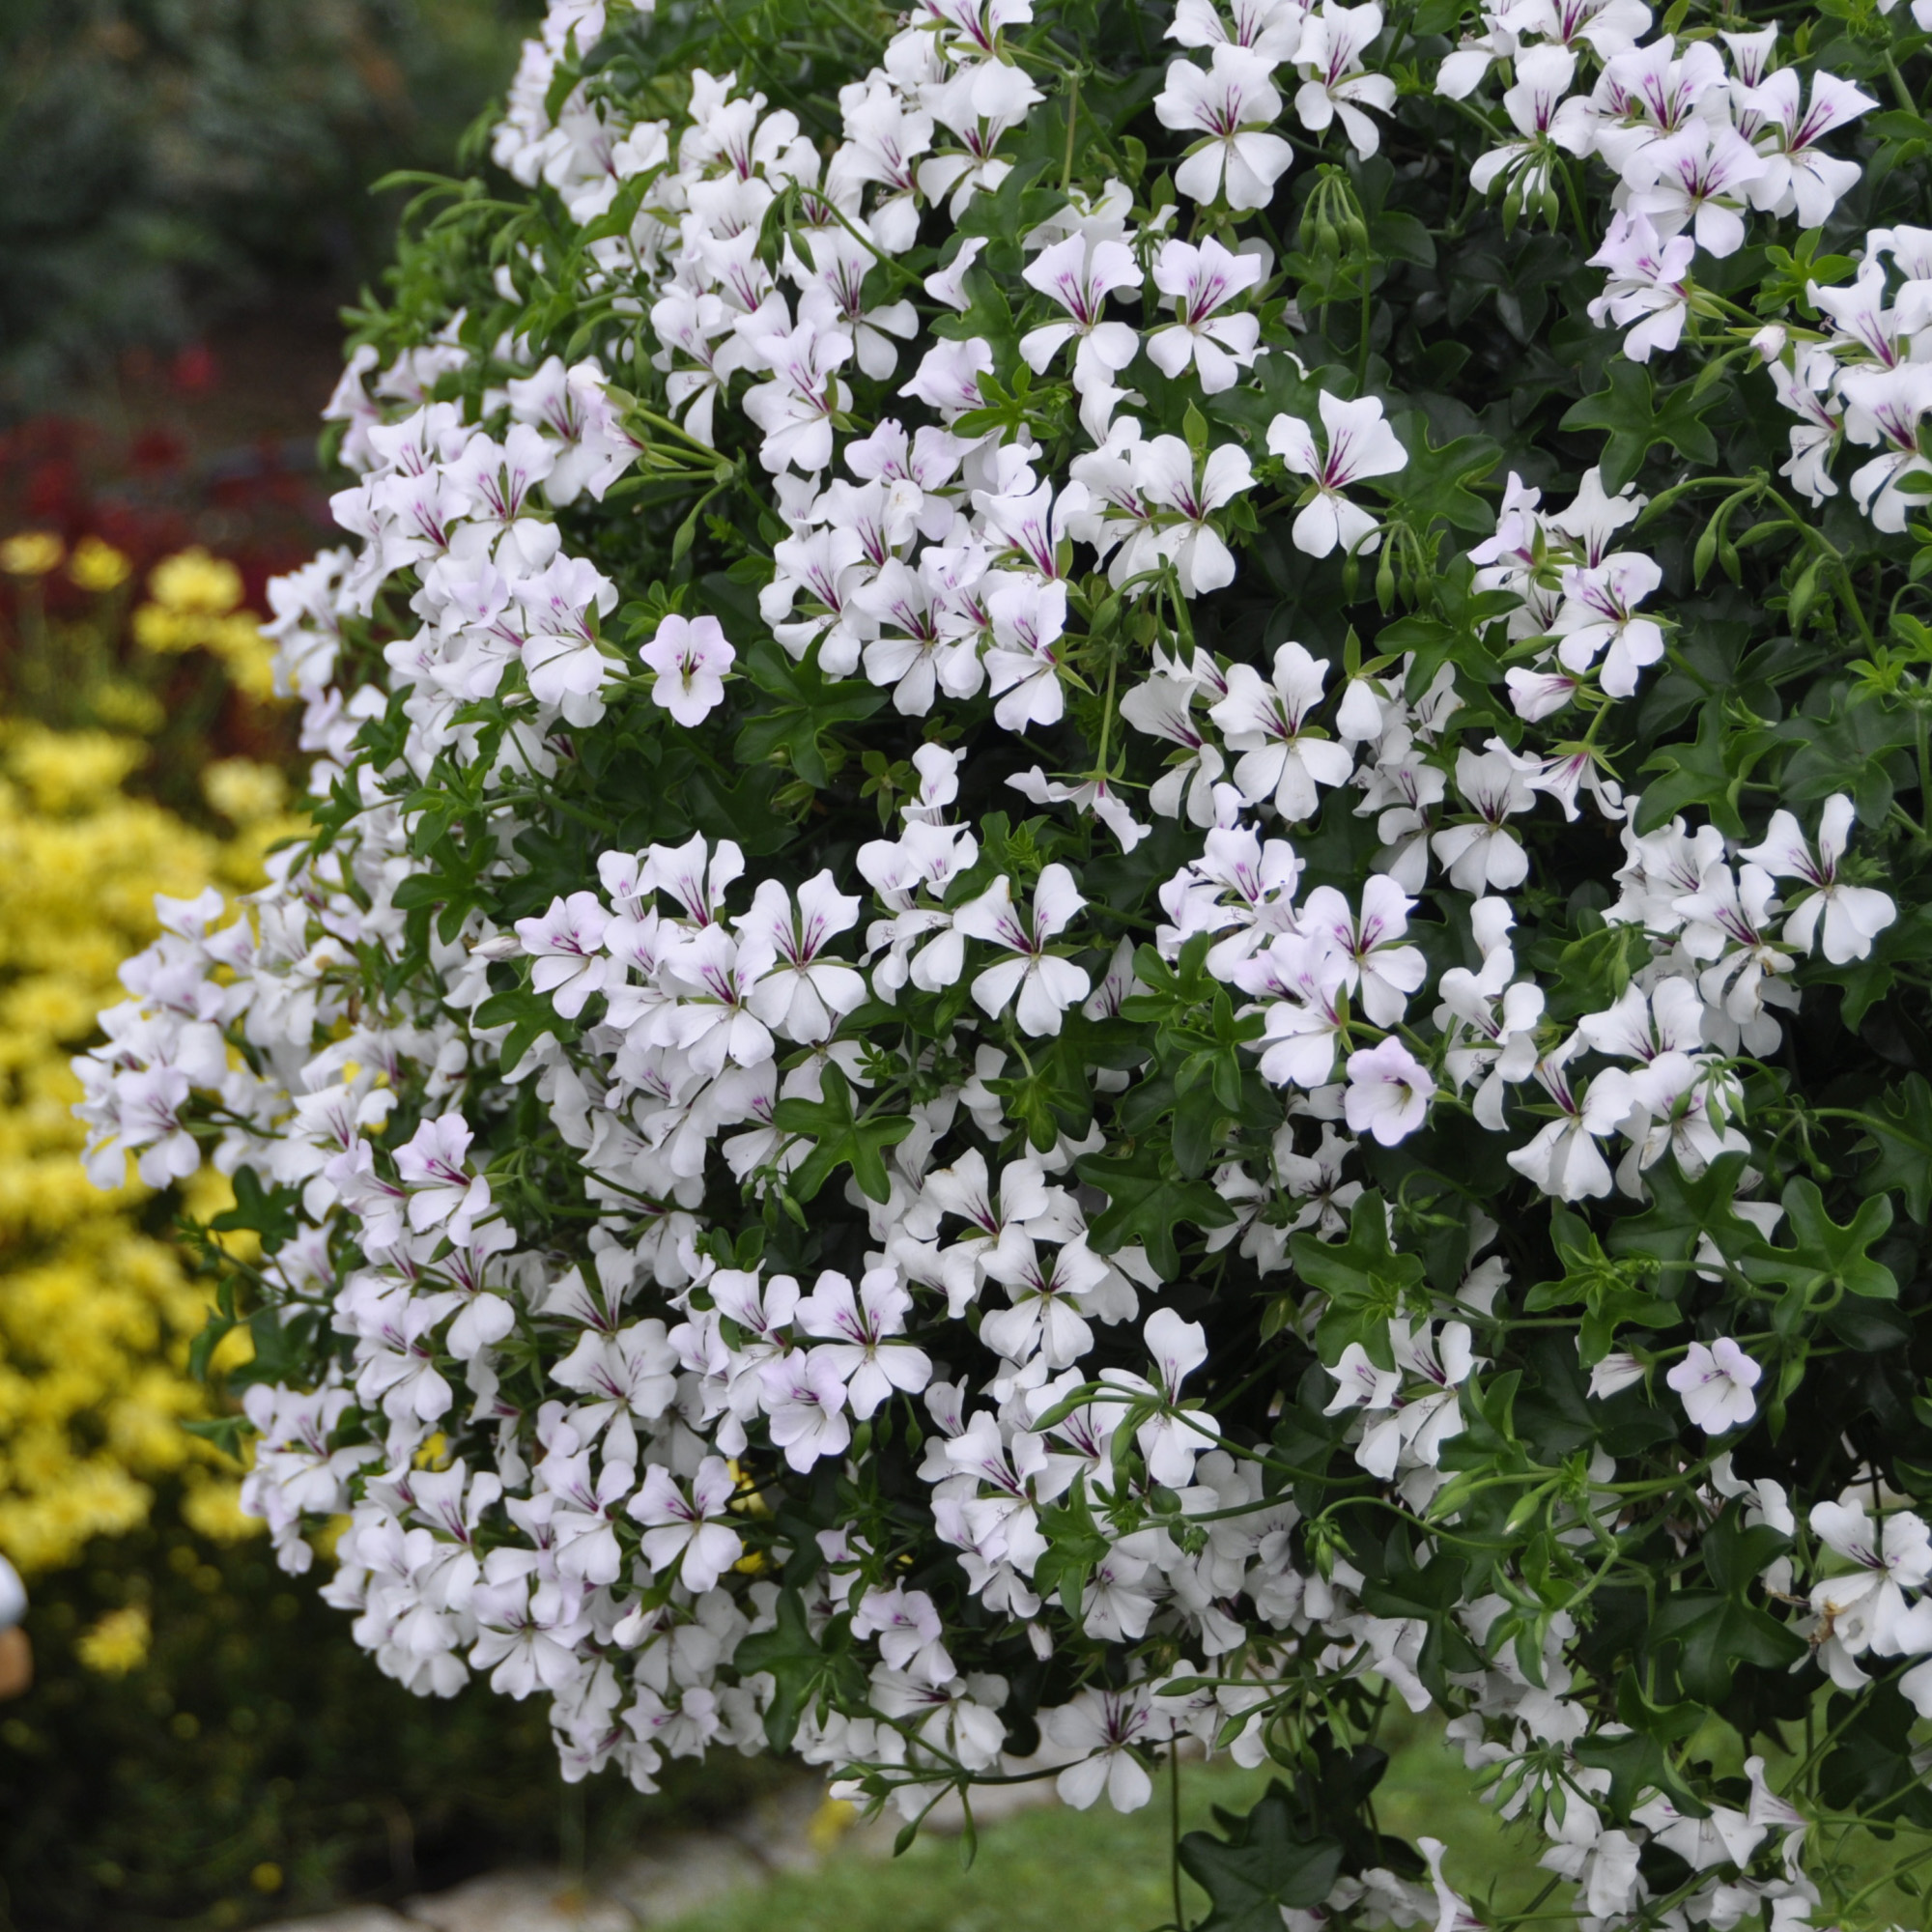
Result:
[202,1745]
[171,162]
[184,210]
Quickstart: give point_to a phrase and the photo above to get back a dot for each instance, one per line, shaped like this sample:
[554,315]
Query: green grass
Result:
[1058,1870]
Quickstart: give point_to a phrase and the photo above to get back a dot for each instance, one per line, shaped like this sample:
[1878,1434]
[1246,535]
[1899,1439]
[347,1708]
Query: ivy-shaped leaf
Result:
[1899,1132]
[806,709]
[1147,1198]
[840,1138]
[1262,1869]
[1636,422]
[1822,1252]
[1366,1281]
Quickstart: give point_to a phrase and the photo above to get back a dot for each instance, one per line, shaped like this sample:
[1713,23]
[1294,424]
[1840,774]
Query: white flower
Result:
[859,1327]
[1698,177]
[1851,917]
[1230,103]
[804,995]
[1038,984]
[1104,1727]
[1797,178]
[1080,275]
[1360,444]
[1389,1091]
[1485,854]
[1282,758]
[1022,666]
[1361,1382]
[795,408]
[1563,1158]
[1716,1383]
[1199,282]
[442,1194]
[1385,972]
[1649,279]
[1599,614]
[1164,472]
[566,943]
[1329,59]
[691,657]
[804,1396]
[683,1528]
[1172,1442]
[1867,1609]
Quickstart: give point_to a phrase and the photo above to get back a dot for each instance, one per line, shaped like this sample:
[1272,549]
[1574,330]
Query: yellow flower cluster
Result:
[195,604]
[96,1307]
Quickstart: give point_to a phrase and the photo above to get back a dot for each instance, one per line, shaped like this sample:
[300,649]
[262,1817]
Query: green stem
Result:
[1072,123]
[1173,1831]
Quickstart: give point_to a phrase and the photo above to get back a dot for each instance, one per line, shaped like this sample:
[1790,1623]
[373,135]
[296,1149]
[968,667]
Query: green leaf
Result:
[1262,1869]
[842,1139]
[213,1332]
[1872,1771]
[1680,1213]
[1434,484]
[1736,1553]
[804,714]
[1366,1281]
[529,1015]
[227,1433]
[1610,1293]
[1148,1198]
[1075,1543]
[1642,1758]
[1848,752]
[1899,1132]
[1717,1634]
[1635,423]
[1712,771]
[1822,1252]
[269,1213]
[800,1667]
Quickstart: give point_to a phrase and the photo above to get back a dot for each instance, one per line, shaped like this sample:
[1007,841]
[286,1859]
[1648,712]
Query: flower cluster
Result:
[929,1098]
[95,1313]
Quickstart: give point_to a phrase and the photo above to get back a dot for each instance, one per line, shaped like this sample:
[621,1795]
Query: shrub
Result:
[202,1744]
[97,1308]
[1114,929]
[172,157]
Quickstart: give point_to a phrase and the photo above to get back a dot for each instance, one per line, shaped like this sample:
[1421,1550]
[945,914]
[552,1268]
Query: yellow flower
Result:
[830,1823]
[168,632]
[117,1643]
[63,770]
[127,706]
[31,554]
[238,642]
[193,581]
[213,1508]
[96,1317]
[98,566]
[242,790]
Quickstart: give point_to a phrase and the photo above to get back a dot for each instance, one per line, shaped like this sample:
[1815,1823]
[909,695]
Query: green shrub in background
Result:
[254,1764]
[165,158]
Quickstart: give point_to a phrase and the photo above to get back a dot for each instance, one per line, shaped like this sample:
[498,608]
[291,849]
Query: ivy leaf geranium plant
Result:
[1117,928]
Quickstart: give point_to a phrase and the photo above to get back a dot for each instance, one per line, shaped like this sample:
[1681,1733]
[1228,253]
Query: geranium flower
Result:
[691,657]
[1232,102]
[1360,445]
[1038,984]
[1716,1383]
[1389,1091]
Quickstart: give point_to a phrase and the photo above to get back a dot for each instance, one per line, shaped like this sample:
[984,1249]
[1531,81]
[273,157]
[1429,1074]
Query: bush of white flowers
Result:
[1118,929]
